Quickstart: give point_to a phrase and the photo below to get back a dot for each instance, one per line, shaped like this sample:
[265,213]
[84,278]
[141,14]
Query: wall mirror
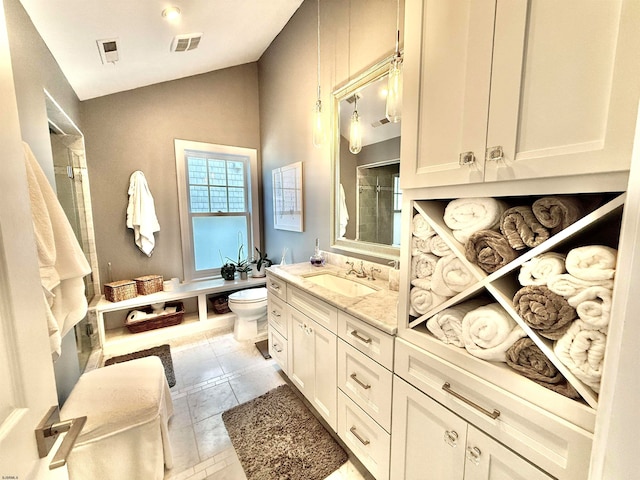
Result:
[366,195]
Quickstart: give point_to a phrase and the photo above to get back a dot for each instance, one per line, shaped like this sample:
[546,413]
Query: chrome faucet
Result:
[372,272]
[358,273]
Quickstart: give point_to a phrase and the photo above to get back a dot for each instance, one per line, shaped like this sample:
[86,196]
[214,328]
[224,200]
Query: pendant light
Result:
[318,133]
[355,131]
[394,87]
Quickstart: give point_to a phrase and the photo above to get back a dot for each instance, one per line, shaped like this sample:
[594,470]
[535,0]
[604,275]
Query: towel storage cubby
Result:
[598,225]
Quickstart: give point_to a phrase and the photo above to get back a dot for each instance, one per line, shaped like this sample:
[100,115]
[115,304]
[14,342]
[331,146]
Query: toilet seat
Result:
[249,295]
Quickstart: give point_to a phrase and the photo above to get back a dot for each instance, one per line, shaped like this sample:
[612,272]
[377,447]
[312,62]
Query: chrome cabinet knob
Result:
[451,438]
[473,455]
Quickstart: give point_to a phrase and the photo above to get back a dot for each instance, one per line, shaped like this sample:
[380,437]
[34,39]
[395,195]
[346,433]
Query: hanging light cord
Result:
[318,50]
[398,28]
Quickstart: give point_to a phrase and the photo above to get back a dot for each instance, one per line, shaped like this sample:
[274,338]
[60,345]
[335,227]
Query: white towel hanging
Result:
[141,213]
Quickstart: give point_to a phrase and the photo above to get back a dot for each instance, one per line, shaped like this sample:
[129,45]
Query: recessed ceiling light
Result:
[171,13]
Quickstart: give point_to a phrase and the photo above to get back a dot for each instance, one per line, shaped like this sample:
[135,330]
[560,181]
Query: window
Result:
[218,204]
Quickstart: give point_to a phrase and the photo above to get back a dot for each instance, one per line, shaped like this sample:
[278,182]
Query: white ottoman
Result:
[128,406]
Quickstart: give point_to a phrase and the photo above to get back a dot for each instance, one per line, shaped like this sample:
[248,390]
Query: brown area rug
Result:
[277,437]
[163,352]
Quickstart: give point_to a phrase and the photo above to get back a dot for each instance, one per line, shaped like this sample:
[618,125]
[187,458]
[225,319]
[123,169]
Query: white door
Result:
[490,460]
[26,371]
[325,391]
[428,441]
[300,345]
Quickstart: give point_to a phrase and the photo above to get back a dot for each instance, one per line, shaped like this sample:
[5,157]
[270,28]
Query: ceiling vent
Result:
[379,123]
[188,41]
[108,48]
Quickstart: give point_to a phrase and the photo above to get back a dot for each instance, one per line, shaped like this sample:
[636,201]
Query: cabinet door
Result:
[300,352]
[564,93]
[490,460]
[428,441]
[448,45]
[324,358]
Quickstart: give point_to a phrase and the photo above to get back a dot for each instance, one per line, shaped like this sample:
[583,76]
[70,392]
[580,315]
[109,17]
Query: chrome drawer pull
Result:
[360,382]
[275,314]
[360,337]
[275,286]
[275,347]
[355,434]
[447,388]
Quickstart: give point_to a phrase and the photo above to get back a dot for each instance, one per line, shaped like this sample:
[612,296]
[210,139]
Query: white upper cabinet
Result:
[512,89]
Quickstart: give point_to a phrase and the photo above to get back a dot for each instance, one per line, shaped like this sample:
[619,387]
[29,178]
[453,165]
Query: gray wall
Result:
[354,35]
[35,69]
[134,130]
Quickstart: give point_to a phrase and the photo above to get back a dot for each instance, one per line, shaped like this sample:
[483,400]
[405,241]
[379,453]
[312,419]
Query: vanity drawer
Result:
[277,287]
[276,314]
[323,313]
[364,437]
[278,347]
[555,445]
[366,338]
[366,382]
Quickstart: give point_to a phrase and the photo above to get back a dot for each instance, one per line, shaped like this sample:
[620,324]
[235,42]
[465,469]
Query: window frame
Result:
[252,194]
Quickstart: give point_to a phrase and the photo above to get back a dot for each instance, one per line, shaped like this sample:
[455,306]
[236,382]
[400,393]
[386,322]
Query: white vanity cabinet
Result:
[430,441]
[312,362]
[515,89]
[365,363]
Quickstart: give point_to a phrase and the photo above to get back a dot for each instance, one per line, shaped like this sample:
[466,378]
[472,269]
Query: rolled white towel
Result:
[489,331]
[424,300]
[137,316]
[593,306]
[538,270]
[419,245]
[423,283]
[446,325]
[422,228]
[592,262]
[465,216]
[438,246]
[582,350]
[423,265]
[451,277]
[568,286]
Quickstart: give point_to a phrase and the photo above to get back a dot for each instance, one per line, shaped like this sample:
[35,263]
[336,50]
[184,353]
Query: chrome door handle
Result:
[360,337]
[48,430]
[360,382]
[357,435]
[447,388]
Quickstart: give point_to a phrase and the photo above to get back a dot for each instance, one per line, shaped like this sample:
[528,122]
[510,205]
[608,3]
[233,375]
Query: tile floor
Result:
[214,373]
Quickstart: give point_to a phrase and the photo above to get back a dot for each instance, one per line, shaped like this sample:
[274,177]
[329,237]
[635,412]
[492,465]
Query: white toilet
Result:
[249,305]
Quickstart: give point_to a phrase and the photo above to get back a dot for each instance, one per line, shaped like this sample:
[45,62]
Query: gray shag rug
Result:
[163,352]
[276,437]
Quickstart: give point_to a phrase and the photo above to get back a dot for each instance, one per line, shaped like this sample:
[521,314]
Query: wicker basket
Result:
[120,290]
[148,284]
[220,304]
[164,320]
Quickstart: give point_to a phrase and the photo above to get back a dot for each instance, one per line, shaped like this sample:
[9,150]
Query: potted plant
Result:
[241,265]
[261,261]
[228,271]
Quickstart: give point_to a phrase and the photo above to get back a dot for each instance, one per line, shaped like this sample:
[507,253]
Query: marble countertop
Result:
[379,309]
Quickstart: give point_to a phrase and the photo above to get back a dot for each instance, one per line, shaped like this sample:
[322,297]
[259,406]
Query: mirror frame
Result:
[378,250]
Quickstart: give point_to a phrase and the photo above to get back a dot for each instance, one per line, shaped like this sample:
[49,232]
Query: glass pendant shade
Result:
[394,90]
[355,134]
[318,133]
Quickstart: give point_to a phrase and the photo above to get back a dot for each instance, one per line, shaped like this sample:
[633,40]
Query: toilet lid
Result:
[250,295]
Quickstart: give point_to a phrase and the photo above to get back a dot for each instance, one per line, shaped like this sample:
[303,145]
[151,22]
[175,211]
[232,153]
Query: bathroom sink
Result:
[343,286]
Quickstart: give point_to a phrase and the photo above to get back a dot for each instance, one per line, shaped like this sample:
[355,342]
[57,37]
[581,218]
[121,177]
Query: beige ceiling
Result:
[234,32]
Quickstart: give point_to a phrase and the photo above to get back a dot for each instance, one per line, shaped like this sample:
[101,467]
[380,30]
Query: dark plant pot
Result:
[228,271]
